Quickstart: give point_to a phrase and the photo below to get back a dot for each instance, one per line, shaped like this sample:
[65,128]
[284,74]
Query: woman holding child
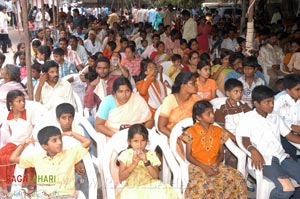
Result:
[209,177]
[122,109]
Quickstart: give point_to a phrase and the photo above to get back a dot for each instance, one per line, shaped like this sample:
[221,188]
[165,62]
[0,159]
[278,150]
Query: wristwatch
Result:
[148,163]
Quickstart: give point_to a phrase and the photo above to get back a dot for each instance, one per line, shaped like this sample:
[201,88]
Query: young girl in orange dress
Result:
[209,177]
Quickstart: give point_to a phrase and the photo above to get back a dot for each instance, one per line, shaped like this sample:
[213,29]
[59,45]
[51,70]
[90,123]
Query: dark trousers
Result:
[4,42]
[289,148]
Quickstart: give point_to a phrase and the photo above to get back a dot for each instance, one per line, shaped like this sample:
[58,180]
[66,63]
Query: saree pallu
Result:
[135,111]
[7,168]
[161,58]
[183,111]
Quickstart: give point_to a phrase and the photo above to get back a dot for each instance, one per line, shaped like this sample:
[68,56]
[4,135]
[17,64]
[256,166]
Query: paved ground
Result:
[15,37]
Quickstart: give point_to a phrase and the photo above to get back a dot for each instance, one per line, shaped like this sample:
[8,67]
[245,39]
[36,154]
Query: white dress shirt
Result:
[189,30]
[287,108]
[229,44]
[264,134]
[93,48]
[53,96]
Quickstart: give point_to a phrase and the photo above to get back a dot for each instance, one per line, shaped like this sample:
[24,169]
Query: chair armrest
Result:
[241,156]
[239,142]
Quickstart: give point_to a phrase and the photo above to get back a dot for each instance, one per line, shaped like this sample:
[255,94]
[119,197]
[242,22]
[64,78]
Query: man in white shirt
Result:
[50,90]
[39,19]
[92,44]
[151,15]
[189,26]
[79,49]
[262,140]
[151,48]
[270,57]
[4,39]
[287,106]
[230,42]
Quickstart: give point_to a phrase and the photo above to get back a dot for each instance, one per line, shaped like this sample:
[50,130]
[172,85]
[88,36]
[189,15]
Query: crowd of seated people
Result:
[126,67]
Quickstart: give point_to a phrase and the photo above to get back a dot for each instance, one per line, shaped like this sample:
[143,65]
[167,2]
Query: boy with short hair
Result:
[65,67]
[124,43]
[65,114]
[249,80]
[228,114]
[260,130]
[287,106]
[35,74]
[56,165]
[142,47]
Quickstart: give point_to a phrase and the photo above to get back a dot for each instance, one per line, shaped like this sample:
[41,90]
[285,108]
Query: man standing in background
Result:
[3,29]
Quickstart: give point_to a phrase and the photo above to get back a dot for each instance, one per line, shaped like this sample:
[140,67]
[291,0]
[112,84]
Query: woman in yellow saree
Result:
[178,105]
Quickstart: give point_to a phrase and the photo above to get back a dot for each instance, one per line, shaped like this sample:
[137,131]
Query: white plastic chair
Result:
[167,79]
[166,173]
[177,131]
[166,65]
[118,142]
[217,102]
[100,140]
[79,106]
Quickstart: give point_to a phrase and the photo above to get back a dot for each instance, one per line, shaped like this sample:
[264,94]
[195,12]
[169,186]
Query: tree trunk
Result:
[57,18]
[44,22]
[250,28]
[242,23]
[54,12]
[27,49]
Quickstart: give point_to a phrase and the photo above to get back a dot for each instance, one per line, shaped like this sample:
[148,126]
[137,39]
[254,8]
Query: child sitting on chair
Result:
[56,164]
[260,130]
[139,167]
[208,176]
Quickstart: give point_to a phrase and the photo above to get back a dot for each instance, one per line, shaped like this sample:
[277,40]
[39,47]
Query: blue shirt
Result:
[67,69]
[106,105]
[235,75]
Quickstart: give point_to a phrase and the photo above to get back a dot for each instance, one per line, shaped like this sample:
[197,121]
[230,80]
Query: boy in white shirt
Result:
[287,106]
[263,142]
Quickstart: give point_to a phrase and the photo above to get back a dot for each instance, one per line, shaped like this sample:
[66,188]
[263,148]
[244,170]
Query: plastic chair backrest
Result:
[176,132]
[79,106]
[166,65]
